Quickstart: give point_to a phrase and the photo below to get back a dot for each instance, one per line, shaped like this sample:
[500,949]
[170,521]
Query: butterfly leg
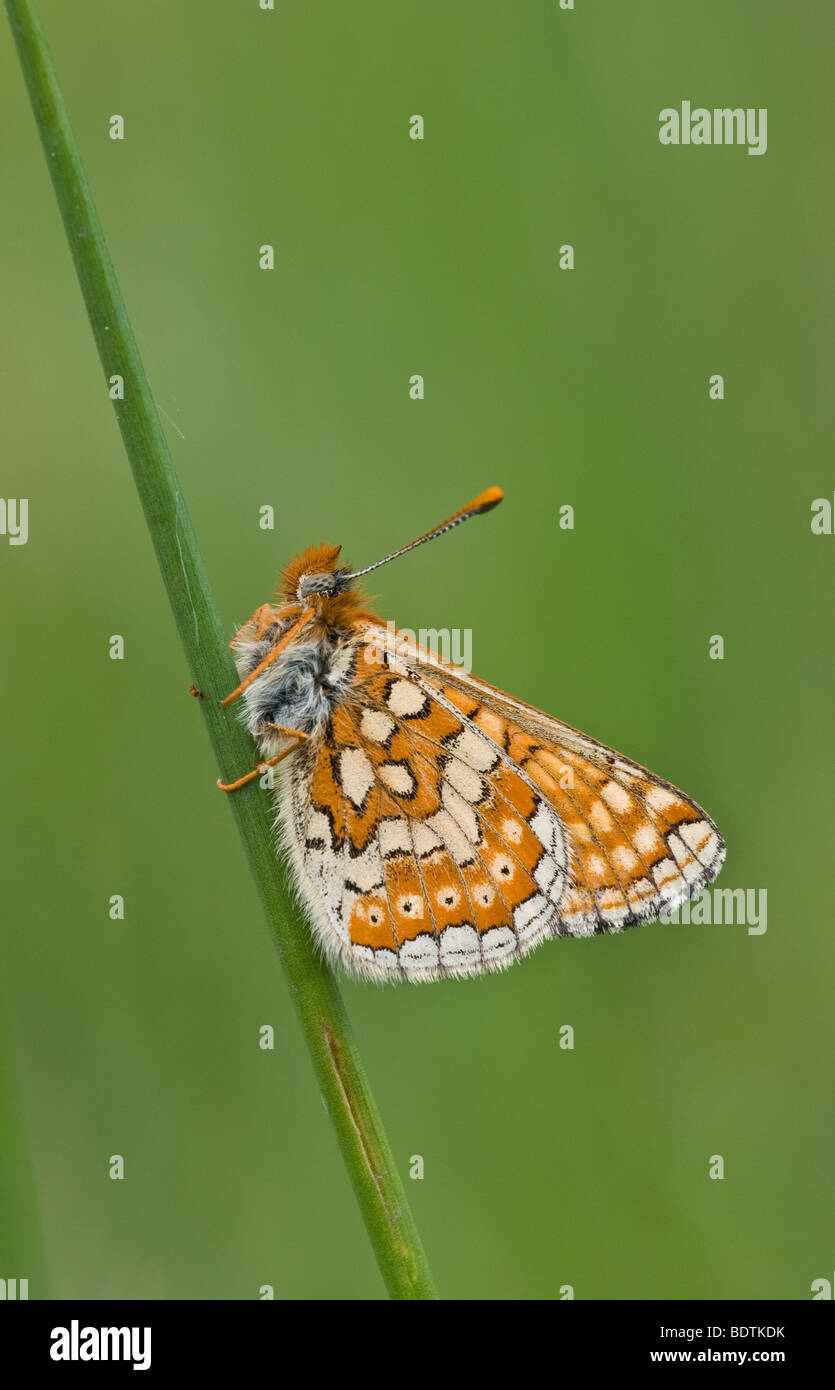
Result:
[262,619]
[270,657]
[269,762]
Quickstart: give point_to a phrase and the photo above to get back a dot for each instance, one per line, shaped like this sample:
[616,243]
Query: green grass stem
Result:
[339,1071]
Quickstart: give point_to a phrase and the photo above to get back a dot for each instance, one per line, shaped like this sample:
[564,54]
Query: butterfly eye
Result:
[318,582]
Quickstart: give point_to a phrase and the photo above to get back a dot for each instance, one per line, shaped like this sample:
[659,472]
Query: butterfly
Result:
[434,825]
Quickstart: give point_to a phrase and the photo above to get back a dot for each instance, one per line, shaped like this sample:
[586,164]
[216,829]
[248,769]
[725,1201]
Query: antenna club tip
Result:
[491,497]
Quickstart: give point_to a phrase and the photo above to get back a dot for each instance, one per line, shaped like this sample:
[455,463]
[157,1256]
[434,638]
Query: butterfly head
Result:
[316,572]
[318,603]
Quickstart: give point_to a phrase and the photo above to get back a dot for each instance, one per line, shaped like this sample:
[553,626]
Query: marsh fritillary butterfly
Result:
[436,826]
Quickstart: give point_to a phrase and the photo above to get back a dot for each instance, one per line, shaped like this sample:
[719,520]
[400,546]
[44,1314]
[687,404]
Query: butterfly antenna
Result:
[485,502]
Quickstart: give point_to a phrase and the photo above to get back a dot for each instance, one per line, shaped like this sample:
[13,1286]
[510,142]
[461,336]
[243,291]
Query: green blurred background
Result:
[543,1167]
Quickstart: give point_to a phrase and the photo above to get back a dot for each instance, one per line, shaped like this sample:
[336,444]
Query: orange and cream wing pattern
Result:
[439,828]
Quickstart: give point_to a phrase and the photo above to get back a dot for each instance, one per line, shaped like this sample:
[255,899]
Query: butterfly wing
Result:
[636,801]
[439,827]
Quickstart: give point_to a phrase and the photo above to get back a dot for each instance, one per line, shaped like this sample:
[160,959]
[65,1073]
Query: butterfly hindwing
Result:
[415,845]
[440,828]
[638,846]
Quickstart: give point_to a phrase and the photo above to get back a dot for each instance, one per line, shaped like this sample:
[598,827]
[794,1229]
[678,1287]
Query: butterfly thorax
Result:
[310,677]
[300,689]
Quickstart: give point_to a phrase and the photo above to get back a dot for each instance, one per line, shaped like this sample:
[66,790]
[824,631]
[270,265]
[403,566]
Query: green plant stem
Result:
[339,1071]
[21,1243]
